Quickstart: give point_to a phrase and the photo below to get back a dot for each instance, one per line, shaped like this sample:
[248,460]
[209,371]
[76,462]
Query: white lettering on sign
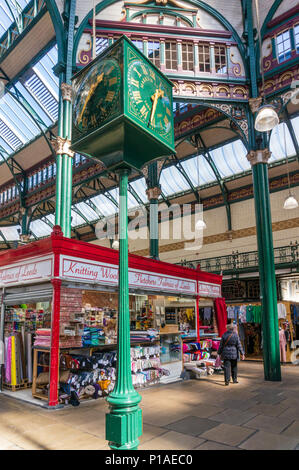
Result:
[209,290]
[86,271]
[107,274]
[29,271]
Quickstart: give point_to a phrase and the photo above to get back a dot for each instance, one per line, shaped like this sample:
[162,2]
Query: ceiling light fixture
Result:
[115,245]
[200,225]
[267,117]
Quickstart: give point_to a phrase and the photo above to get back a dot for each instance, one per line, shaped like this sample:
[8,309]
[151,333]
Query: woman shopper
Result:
[230,347]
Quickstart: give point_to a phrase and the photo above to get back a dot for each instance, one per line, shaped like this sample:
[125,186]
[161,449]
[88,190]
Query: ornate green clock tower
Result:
[122,115]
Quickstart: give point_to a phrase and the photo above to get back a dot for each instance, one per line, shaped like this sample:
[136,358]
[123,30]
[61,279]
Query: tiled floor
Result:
[199,414]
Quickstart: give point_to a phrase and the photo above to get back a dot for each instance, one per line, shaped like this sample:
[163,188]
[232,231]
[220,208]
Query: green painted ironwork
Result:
[64,162]
[263,220]
[153,182]
[175,14]
[267,272]
[124,422]
[23,22]
[236,263]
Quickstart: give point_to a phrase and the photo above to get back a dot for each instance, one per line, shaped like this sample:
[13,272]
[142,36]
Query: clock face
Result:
[149,98]
[97,95]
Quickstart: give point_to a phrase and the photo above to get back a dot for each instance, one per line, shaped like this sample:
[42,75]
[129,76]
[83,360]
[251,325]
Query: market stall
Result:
[248,318]
[60,317]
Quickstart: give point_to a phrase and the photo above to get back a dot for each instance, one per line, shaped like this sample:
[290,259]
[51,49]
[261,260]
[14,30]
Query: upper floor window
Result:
[296,34]
[39,177]
[153,51]
[30,181]
[220,59]
[138,43]
[101,44]
[187,56]
[284,49]
[171,55]
[204,60]
[183,107]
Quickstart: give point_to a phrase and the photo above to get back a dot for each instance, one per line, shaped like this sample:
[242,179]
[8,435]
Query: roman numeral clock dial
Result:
[149,98]
[97,95]
[122,108]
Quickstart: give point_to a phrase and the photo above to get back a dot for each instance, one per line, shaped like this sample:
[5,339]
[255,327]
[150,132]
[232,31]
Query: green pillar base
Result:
[124,426]
[124,422]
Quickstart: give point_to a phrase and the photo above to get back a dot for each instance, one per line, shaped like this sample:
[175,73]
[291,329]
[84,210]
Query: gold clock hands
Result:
[158,94]
[90,93]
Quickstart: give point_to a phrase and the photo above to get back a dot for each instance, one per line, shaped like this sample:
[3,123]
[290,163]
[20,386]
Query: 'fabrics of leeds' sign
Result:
[76,269]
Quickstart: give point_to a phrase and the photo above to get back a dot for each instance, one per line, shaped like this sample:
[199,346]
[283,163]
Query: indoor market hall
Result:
[149,228]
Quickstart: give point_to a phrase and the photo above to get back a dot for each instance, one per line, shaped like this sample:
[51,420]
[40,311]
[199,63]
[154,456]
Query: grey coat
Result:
[230,346]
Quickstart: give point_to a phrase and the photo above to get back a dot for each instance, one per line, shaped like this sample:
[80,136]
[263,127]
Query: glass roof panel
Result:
[281,144]
[77,219]
[23,126]
[40,228]
[5,148]
[40,90]
[10,233]
[140,187]
[295,124]
[36,105]
[44,70]
[172,181]
[87,211]
[8,12]
[10,139]
[204,175]
[105,206]
[51,218]
[131,200]
[230,159]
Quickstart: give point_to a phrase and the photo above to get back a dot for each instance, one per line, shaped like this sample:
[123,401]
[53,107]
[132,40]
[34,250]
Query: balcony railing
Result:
[285,256]
[37,178]
[23,20]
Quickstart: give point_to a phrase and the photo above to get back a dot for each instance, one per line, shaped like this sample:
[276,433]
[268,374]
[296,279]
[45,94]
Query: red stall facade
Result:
[43,281]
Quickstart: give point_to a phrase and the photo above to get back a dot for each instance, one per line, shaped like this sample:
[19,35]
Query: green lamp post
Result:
[122,115]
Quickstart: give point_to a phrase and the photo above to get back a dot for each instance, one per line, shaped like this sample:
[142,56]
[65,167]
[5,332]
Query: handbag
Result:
[228,339]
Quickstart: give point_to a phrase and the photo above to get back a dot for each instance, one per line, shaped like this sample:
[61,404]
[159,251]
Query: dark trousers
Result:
[230,369]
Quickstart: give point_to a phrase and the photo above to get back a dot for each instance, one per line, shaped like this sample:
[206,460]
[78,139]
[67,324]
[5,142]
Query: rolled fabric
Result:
[8,360]
[13,361]
[29,356]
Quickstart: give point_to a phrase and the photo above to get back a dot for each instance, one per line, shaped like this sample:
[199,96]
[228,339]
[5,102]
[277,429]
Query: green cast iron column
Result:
[59,161]
[259,160]
[124,421]
[154,228]
[66,162]
[24,222]
[153,192]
